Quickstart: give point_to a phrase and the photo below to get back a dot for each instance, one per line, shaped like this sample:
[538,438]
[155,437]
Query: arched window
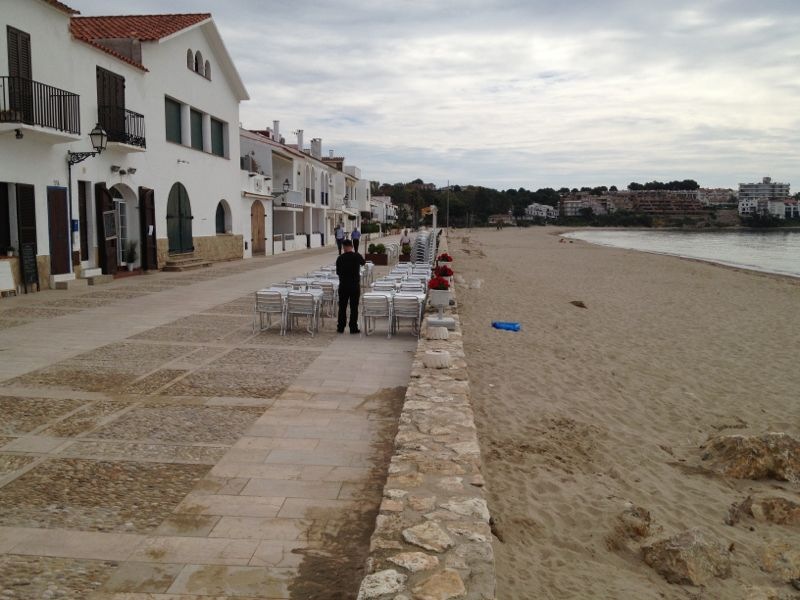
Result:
[198,62]
[190,59]
[208,70]
[223,217]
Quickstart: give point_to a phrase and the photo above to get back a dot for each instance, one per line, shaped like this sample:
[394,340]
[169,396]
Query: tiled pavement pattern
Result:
[153,447]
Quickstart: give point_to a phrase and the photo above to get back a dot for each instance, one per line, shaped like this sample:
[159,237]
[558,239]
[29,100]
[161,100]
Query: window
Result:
[197,129]
[190,59]
[172,111]
[198,63]
[217,137]
[208,70]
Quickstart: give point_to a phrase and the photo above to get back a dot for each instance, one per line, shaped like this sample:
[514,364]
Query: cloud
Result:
[524,93]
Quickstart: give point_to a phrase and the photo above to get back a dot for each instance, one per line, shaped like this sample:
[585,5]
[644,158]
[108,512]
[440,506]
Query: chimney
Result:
[299,133]
[330,153]
[276,133]
[316,148]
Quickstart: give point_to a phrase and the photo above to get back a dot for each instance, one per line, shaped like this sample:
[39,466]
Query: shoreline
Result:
[709,261]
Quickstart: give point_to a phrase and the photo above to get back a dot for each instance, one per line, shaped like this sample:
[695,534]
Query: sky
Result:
[522,93]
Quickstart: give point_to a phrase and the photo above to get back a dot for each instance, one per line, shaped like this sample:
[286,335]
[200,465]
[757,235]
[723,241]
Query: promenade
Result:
[153,447]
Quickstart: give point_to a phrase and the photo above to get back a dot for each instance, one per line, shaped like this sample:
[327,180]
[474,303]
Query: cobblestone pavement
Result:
[153,447]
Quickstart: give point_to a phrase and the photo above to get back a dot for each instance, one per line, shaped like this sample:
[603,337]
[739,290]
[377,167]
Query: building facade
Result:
[755,198]
[164,90]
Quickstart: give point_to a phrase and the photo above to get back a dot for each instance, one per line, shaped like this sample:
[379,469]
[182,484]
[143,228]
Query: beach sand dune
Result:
[591,409]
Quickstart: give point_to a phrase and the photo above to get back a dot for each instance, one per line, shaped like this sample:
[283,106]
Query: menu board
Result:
[30,270]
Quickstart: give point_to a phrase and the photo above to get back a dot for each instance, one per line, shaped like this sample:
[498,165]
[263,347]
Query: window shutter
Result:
[19,53]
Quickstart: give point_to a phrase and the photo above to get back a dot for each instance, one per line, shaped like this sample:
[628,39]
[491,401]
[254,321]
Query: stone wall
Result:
[225,246]
[432,537]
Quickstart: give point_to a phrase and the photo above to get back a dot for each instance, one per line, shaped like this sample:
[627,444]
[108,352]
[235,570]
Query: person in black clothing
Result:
[348,268]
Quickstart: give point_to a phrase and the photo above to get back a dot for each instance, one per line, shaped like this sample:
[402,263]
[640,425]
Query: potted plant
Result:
[377,254]
[131,254]
[444,257]
[405,253]
[439,293]
[443,270]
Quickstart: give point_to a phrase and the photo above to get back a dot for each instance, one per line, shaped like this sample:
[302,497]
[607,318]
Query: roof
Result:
[62,7]
[145,28]
[155,28]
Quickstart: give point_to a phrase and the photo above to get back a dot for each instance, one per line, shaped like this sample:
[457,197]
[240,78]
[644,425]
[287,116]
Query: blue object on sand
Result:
[507,325]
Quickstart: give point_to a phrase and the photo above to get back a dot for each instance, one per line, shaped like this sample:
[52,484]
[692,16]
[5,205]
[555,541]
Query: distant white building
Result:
[383,210]
[755,198]
[716,196]
[541,211]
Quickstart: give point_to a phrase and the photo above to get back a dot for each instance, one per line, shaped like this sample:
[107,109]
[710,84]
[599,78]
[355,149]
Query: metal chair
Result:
[302,304]
[407,306]
[330,298]
[376,306]
[412,286]
[384,286]
[269,303]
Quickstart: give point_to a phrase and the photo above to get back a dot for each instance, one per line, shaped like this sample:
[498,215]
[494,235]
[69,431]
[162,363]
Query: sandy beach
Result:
[590,408]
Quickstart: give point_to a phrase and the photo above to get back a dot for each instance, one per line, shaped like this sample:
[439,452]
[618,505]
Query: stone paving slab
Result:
[229,464]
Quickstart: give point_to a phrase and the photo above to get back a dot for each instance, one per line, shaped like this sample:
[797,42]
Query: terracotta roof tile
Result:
[146,28]
[63,7]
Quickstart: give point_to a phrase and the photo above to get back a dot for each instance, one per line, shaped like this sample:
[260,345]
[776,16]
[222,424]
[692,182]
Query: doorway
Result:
[257,225]
[58,221]
[179,220]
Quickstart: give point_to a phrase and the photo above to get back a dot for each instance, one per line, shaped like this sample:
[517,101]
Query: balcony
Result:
[38,108]
[125,128]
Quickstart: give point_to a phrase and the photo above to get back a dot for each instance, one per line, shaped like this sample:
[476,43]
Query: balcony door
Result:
[20,93]
[111,104]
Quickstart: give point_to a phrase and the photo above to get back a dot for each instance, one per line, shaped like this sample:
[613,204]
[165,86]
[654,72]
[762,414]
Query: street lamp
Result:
[99,138]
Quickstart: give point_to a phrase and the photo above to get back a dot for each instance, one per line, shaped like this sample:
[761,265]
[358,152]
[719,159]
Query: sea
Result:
[770,251]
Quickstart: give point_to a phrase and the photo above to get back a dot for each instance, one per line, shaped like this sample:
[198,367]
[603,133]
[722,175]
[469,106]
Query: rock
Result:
[769,456]
[441,586]
[688,558]
[634,523]
[422,503]
[381,583]
[776,510]
[391,505]
[468,507]
[415,561]
[428,535]
[782,560]
[765,593]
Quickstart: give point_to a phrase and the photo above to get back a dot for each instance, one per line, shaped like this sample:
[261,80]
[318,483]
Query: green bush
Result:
[406,249]
[371,249]
[380,249]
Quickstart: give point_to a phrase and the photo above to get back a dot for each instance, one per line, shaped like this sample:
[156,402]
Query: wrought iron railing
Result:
[122,125]
[34,103]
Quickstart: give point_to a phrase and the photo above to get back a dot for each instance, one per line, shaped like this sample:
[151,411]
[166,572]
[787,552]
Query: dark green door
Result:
[179,220]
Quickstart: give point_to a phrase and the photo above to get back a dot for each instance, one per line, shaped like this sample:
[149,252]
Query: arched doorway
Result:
[179,220]
[257,227]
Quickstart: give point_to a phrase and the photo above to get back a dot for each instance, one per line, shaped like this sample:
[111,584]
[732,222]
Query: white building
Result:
[164,89]
[541,211]
[383,211]
[310,194]
[754,198]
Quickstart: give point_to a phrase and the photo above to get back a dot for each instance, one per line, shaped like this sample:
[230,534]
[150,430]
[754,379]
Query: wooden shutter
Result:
[19,53]
[26,215]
